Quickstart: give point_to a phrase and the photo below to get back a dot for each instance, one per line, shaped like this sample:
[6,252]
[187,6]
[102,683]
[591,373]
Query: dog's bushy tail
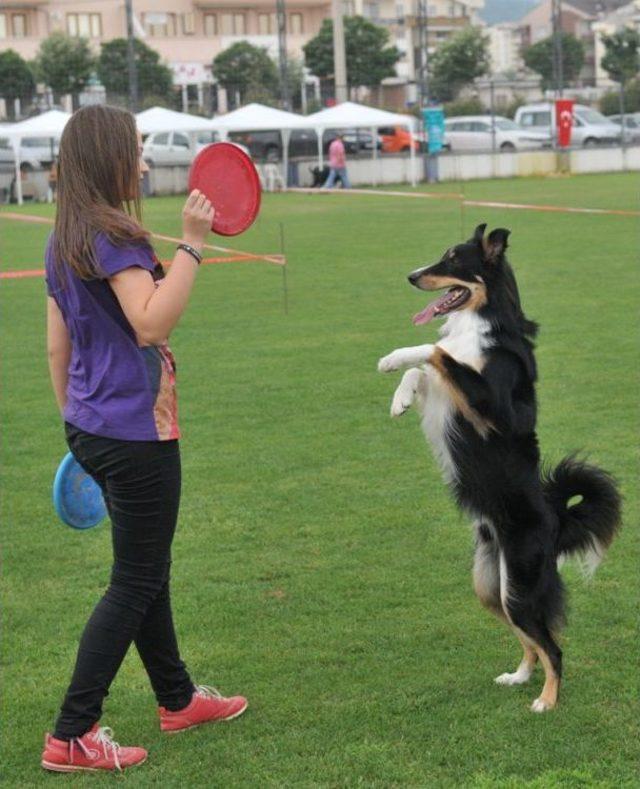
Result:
[588,527]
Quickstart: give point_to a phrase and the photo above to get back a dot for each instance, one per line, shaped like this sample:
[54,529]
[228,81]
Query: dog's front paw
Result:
[390,363]
[401,403]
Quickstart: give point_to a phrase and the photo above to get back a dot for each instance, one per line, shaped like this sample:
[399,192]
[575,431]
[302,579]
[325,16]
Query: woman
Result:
[109,314]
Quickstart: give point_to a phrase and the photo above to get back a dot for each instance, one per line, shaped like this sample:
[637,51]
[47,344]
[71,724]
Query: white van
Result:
[589,126]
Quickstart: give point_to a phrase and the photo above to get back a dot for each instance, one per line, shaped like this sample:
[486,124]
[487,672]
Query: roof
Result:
[47,124]
[259,117]
[160,119]
[351,115]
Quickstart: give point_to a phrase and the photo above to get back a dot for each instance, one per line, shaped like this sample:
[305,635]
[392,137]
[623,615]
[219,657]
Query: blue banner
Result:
[433,118]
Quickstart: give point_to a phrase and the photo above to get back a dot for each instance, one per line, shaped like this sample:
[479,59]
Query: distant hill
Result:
[506,10]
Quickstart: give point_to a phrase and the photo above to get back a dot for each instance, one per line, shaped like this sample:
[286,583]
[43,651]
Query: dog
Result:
[320,176]
[475,393]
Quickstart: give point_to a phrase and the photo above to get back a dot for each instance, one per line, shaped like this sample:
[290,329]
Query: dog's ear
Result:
[495,244]
[478,234]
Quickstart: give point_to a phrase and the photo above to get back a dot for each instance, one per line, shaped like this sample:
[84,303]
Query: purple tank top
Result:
[116,388]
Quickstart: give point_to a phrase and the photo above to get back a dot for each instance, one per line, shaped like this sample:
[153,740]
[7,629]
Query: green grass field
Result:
[320,566]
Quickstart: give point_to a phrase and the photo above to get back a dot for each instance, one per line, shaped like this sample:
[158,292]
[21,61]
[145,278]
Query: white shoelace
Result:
[102,736]
[207,692]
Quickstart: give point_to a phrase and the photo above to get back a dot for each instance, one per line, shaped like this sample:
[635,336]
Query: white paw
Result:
[390,363]
[540,706]
[512,679]
[401,403]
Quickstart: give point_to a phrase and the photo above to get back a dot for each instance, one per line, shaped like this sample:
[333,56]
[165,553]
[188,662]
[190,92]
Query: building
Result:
[504,48]
[577,18]
[188,34]
[626,16]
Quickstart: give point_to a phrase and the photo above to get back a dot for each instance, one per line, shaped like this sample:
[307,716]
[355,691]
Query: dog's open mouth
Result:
[449,301]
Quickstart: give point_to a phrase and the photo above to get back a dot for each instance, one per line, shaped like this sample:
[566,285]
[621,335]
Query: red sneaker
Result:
[206,706]
[92,752]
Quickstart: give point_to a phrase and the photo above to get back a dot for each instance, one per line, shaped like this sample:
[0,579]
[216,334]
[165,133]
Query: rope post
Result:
[285,289]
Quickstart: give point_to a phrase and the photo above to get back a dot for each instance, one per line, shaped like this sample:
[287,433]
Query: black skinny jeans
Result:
[140,481]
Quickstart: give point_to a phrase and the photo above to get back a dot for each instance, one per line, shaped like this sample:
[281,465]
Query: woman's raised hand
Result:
[197,217]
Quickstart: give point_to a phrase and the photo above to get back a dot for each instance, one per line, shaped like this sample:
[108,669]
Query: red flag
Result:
[564,121]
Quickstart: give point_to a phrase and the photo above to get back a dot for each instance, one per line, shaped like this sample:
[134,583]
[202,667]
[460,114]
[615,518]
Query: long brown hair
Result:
[98,187]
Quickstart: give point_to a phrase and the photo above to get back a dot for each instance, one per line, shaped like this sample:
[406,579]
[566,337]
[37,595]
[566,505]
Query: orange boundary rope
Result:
[232,256]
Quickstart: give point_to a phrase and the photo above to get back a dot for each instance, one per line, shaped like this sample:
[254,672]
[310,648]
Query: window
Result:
[19,25]
[160,139]
[3,25]
[349,7]
[188,24]
[87,25]
[479,126]
[529,119]
[233,24]
[180,139]
[267,24]
[210,25]
[295,24]
[160,25]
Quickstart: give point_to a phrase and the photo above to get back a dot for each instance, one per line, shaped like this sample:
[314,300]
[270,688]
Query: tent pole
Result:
[374,155]
[320,133]
[412,155]
[285,134]
[17,144]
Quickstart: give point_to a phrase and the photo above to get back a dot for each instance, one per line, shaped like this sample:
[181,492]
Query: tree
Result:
[247,70]
[539,57]
[154,78]
[65,63]
[16,79]
[457,62]
[369,58]
[622,58]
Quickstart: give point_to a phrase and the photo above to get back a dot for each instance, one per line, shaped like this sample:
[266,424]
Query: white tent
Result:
[259,117]
[160,119]
[49,124]
[349,115]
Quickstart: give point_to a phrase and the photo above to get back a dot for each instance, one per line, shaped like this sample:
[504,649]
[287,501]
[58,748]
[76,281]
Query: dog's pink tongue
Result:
[430,311]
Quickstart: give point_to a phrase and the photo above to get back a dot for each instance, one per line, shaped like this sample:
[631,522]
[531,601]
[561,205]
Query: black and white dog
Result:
[475,392]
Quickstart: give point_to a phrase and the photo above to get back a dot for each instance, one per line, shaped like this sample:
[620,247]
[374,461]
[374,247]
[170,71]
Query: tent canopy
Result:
[352,115]
[160,119]
[48,124]
[259,117]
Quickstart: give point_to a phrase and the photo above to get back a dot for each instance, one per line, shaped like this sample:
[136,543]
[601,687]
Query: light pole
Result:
[556,22]
[131,59]
[339,59]
[282,54]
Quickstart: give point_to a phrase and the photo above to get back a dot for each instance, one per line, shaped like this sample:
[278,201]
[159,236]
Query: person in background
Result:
[338,164]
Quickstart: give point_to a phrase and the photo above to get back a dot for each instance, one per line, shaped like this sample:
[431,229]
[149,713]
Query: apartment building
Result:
[577,18]
[188,34]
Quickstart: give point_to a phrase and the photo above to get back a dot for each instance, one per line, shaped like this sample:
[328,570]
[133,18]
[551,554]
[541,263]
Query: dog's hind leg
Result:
[486,570]
[532,625]
[413,383]
[524,671]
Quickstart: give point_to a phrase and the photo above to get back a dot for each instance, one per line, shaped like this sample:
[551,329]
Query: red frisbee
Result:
[228,177]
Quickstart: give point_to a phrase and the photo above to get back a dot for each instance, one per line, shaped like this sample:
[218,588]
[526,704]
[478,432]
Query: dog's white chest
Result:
[464,337]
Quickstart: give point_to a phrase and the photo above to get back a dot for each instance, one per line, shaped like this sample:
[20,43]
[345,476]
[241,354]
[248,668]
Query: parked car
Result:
[397,139]
[168,148]
[35,154]
[475,133]
[590,127]
[631,125]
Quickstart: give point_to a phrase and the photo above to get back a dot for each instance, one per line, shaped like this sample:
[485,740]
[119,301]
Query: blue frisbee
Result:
[77,497]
